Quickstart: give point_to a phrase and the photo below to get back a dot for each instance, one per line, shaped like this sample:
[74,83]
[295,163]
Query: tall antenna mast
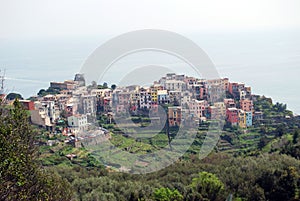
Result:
[2,79]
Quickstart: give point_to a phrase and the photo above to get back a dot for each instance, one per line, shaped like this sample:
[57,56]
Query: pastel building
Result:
[101,92]
[88,105]
[215,92]
[221,109]
[174,116]
[232,116]
[198,108]
[175,85]
[78,123]
[229,103]
[154,96]
[120,108]
[246,105]
[249,119]
[175,97]
[162,96]
[235,88]
[242,118]
[197,91]
[135,97]
[145,99]
[221,81]
[124,98]
[44,114]
[186,98]
[212,112]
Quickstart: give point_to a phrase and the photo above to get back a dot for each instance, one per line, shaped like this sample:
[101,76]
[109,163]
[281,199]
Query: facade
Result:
[154,96]
[186,97]
[220,109]
[229,103]
[232,116]
[246,105]
[78,123]
[27,104]
[249,119]
[243,95]
[162,97]
[145,99]
[175,85]
[124,98]
[101,92]
[212,112]
[58,85]
[44,114]
[175,97]
[88,106]
[242,119]
[215,92]
[174,116]
[235,89]
[119,108]
[198,108]
[66,85]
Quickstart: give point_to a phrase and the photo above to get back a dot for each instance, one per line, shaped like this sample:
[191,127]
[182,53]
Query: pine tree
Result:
[21,178]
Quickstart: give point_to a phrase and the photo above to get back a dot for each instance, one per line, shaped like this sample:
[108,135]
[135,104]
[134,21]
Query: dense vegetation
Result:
[264,177]
[13,96]
[50,90]
[21,177]
[260,163]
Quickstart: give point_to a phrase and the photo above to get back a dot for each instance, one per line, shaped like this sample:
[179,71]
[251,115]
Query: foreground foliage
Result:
[263,177]
[21,178]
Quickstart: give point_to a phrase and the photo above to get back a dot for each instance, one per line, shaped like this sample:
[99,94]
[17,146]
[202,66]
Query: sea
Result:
[268,61]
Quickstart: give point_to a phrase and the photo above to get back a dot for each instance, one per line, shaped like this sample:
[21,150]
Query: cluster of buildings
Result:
[190,98]
[74,103]
[183,97]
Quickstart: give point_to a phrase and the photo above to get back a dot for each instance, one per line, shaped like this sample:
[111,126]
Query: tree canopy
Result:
[21,176]
[13,96]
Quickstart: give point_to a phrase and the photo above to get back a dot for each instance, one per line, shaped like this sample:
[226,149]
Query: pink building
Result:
[154,108]
[124,98]
[232,116]
[229,103]
[233,87]
[120,108]
[246,105]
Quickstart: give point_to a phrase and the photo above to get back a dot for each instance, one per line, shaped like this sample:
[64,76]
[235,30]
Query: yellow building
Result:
[242,119]
[154,96]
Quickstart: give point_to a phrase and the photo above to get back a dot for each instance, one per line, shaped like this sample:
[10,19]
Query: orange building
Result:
[246,105]
[174,116]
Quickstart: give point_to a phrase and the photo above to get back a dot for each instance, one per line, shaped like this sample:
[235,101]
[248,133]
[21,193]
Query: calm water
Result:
[267,61]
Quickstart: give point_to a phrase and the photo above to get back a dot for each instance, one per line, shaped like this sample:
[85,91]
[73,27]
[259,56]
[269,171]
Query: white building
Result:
[175,85]
[198,108]
[78,123]
[101,92]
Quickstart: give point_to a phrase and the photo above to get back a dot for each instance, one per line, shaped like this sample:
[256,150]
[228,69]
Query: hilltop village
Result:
[75,105]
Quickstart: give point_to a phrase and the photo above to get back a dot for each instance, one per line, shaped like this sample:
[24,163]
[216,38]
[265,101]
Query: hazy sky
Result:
[40,18]
[261,49]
